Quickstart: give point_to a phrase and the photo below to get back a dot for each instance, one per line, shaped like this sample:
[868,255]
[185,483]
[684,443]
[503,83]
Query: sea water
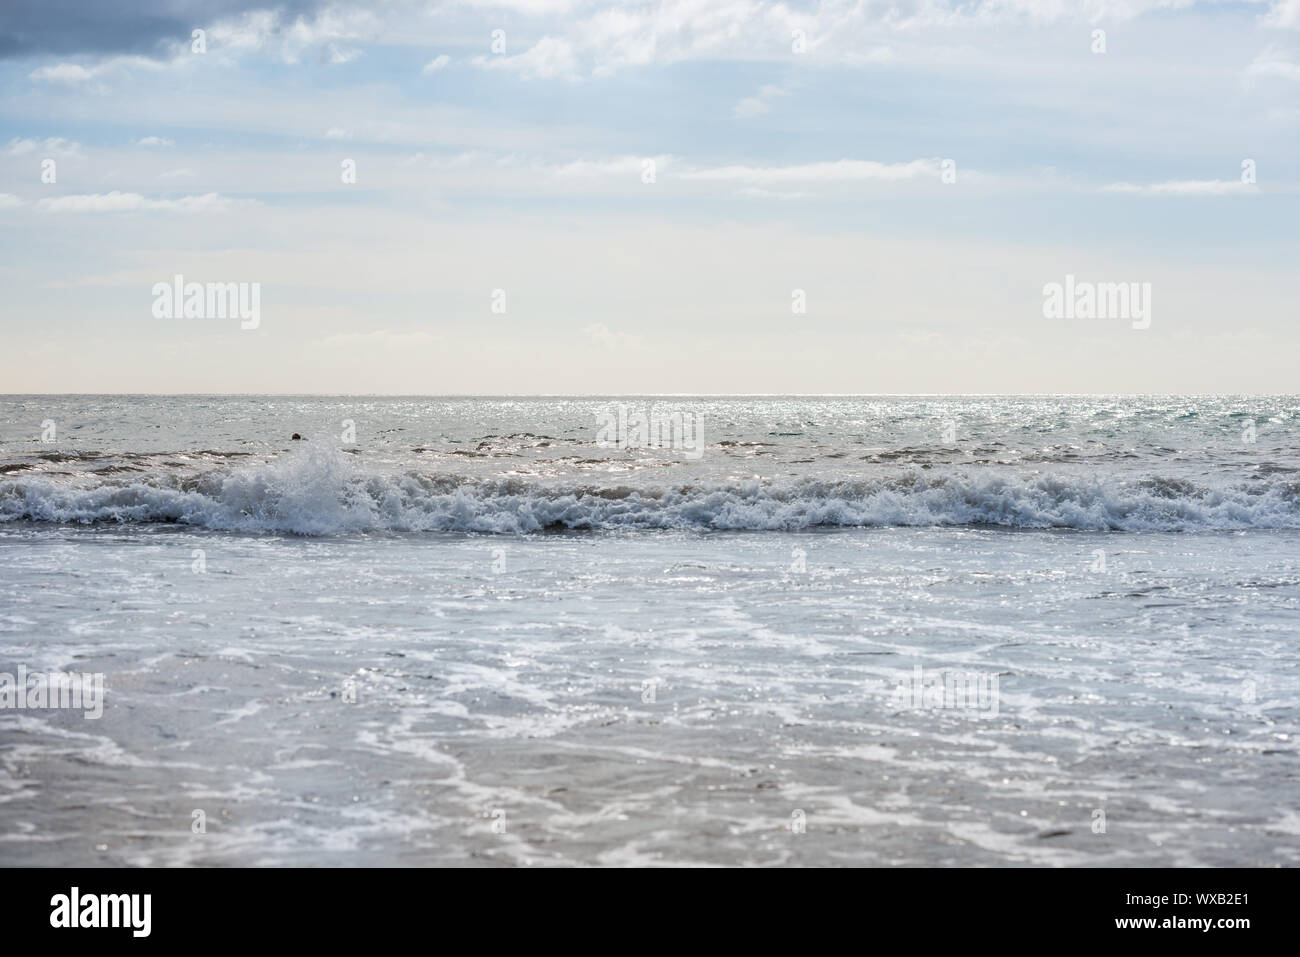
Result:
[850,630]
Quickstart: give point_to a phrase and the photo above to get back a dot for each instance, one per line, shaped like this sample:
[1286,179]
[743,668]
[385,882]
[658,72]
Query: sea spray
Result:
[316,490]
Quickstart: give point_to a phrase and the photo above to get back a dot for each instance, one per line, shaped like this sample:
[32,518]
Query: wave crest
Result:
[320,491]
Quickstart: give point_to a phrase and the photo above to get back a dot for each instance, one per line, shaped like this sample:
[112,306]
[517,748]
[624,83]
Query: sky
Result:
[686,196]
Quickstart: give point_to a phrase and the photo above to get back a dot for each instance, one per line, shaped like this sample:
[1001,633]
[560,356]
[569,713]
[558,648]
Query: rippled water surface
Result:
[470,633]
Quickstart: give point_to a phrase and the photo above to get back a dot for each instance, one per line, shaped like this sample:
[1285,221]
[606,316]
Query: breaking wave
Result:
[319,491]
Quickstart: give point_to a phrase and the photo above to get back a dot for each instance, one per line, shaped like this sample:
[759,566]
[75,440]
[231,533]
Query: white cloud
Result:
[837,171]
[155,141]
[9,200]
[598,37]
[602,336]
[272,33]
[251,31]
[337,55]
[759,103]
[1284,14]
[182,173]
[74,74]
[630,166]
[1270,63]
[616,35]
[1187,187]
[338,133]
[51,146]
[549,57]
[61,73]
[116,202]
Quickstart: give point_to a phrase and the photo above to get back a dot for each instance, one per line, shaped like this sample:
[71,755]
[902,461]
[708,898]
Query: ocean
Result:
[651,630]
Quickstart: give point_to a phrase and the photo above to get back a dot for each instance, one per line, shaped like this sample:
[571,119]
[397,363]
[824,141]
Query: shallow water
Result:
[333,677]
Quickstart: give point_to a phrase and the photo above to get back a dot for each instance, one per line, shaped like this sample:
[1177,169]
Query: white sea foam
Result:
[386,698]
[320,491]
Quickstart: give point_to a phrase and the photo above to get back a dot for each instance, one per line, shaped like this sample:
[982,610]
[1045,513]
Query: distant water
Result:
[499,630]
[528,465]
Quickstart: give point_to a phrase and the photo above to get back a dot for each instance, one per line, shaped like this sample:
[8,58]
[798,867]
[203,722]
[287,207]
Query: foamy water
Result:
[465,631]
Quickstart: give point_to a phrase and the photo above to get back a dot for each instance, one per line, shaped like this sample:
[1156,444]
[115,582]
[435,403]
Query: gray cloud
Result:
[31,28]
